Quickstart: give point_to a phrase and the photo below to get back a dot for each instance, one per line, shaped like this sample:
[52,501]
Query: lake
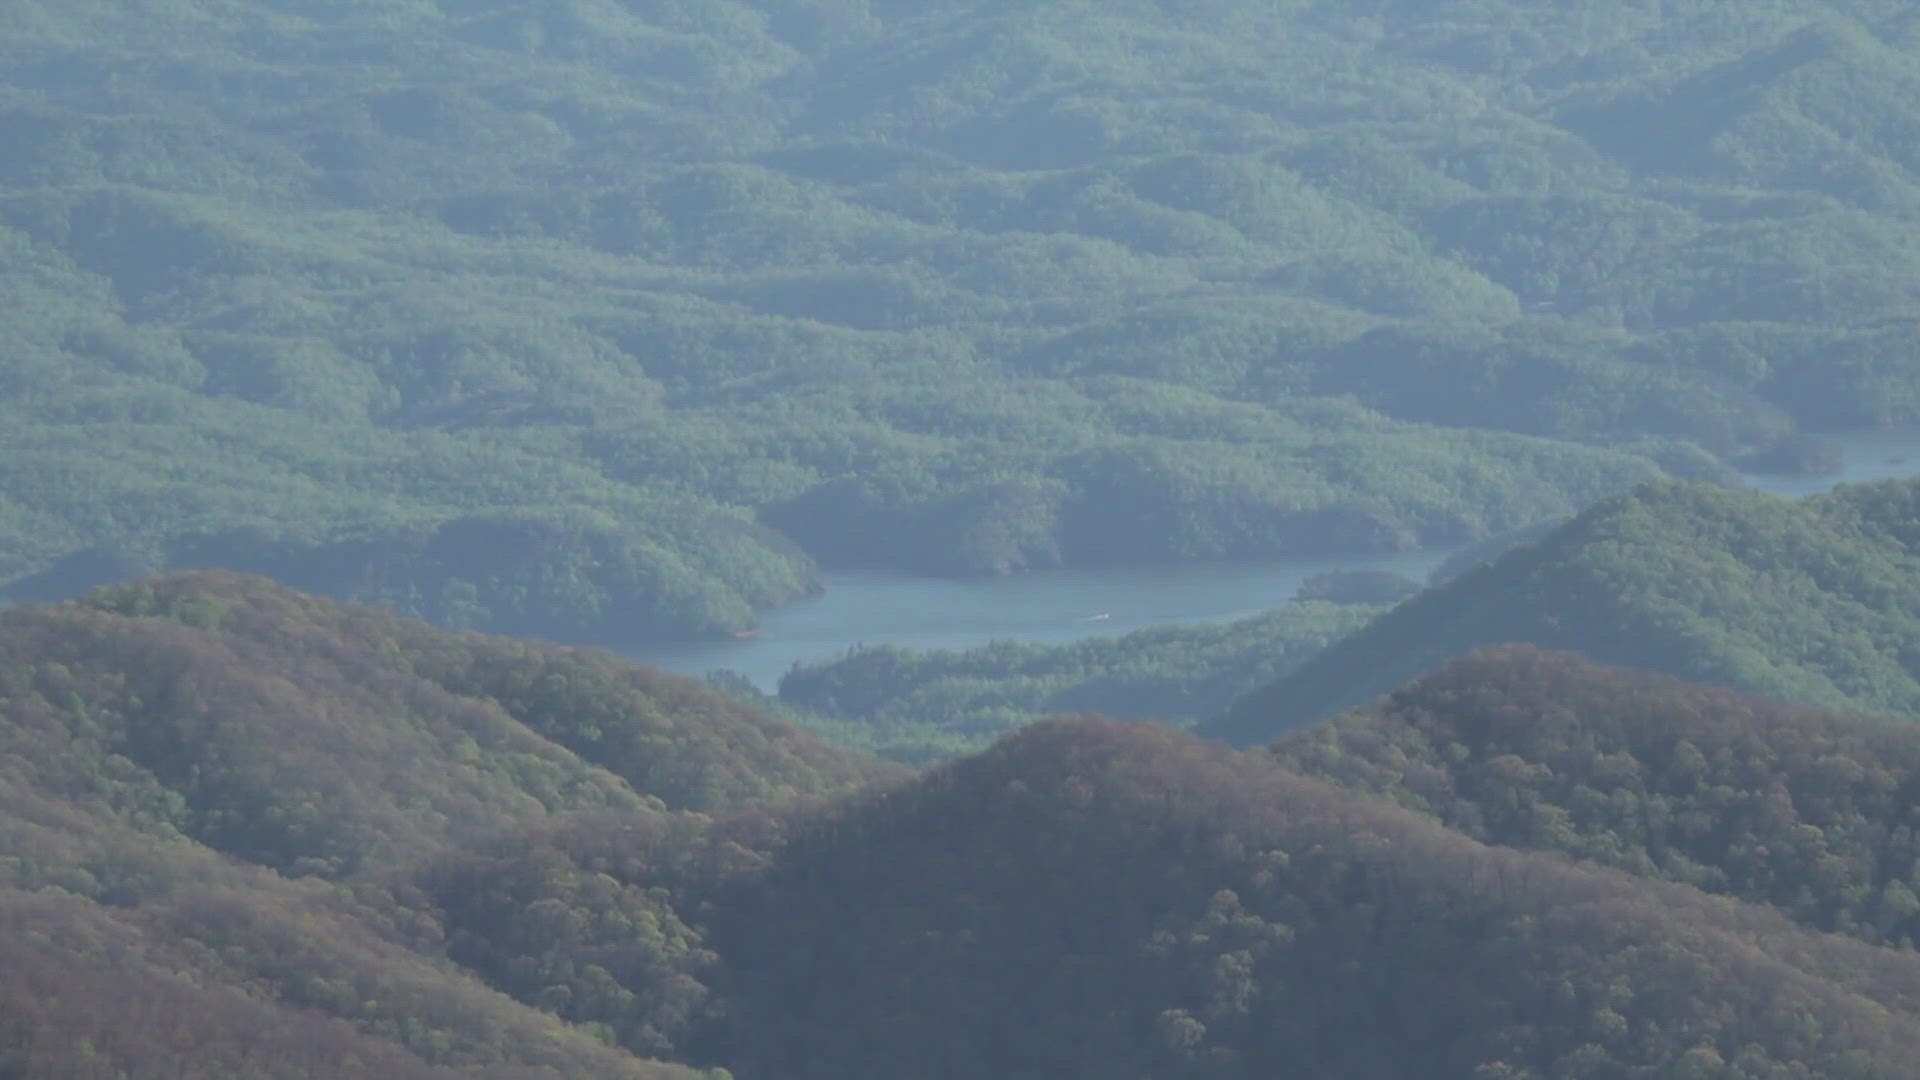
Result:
[1057,606]
[1866,455]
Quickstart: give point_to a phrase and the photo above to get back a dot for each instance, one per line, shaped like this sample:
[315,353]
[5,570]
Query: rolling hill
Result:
[1731,794]
[1815,601]
[214,793]
[593,319]
[244,829]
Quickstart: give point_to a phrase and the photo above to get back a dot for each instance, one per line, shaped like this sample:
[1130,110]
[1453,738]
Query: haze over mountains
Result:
[588,319]
[615,321]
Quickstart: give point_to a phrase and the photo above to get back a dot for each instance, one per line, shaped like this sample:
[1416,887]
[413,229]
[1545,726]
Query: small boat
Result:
[1102,617]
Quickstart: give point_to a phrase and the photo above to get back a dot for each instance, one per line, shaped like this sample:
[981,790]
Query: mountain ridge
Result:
[1809,600]
[1397,894]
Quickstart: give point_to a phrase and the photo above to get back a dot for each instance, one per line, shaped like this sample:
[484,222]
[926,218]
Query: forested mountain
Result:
[614,320]
[592,318]
[1816,600]
[215,793]
[1086,900]
[244,831]
[1810,812]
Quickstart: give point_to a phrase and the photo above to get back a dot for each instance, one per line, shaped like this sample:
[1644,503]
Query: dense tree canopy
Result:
[1816,601]
[247,831]
[615,320]
[1087,900]
[576,318]
[1810,812]
[216,796]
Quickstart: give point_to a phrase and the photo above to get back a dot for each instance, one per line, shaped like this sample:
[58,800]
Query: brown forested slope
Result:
[219,981]
[243,831]
[280,728]
[1811,811]
[215,792]
[1093,900]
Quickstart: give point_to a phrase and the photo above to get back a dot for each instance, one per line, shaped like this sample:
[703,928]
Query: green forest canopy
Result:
[580,316]
[1816,600]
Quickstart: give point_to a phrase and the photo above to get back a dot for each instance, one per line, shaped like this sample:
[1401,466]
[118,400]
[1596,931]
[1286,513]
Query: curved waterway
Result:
[871,607]
[1056,606]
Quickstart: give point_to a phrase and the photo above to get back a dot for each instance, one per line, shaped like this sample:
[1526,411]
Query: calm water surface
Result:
[1053,606]
[1869,455]
[1056,606]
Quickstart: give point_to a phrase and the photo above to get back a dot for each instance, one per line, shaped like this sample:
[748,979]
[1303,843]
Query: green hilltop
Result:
[1816,600]
[597,320]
